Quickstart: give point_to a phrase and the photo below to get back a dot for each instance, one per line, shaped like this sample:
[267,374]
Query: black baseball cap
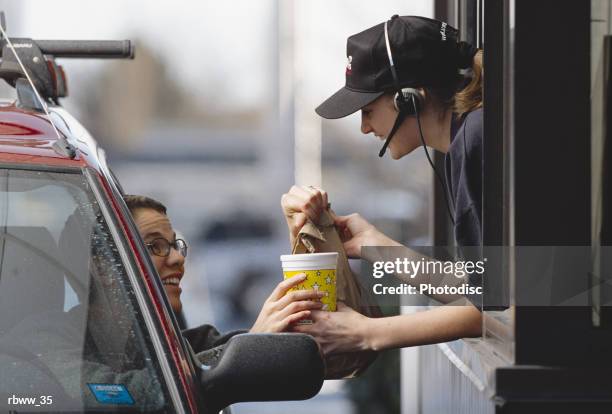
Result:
[425,53]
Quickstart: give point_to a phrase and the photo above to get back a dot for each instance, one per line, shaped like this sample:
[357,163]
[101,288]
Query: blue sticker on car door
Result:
[111,394]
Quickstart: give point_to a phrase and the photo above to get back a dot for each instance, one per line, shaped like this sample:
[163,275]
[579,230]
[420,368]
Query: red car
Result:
[85,325]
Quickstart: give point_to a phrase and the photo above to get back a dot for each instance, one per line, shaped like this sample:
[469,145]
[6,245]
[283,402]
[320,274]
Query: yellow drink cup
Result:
[320,270]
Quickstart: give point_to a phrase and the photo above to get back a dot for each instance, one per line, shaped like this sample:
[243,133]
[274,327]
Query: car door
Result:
[76,328]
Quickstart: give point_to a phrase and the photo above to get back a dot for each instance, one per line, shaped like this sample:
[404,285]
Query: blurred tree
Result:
[130,98]
[126,98]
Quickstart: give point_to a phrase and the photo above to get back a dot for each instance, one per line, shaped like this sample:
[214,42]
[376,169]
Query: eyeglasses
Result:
[161,247]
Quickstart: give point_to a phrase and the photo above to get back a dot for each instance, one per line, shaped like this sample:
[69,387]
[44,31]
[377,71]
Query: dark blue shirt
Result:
[463,167]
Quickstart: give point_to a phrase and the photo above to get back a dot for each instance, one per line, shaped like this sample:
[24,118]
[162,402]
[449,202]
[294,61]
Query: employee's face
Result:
[154,225]
[378,118]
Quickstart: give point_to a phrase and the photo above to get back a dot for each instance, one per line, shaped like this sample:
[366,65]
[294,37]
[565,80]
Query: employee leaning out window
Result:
[415,85]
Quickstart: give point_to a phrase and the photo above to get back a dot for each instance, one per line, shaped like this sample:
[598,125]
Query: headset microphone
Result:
[408,102]
[398,121]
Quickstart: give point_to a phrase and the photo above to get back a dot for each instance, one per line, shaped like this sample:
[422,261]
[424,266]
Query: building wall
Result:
[453,380]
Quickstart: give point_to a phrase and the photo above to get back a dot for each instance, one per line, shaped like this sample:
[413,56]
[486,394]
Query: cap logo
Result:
[349,67]
[443,31]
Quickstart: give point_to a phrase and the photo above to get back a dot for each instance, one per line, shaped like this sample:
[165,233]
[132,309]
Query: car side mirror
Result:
[263,367]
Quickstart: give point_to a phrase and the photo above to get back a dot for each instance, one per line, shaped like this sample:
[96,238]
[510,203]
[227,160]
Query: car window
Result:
[72,336]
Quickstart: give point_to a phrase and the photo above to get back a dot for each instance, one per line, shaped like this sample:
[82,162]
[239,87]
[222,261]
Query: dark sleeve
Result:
[468,221]
[211,356]
[468,217]
[206,337]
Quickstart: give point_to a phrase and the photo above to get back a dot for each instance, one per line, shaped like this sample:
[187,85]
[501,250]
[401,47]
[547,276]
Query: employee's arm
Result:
[441,324]
[348,331]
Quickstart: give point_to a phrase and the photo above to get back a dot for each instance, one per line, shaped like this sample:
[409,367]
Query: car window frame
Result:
[130,230]
[144,304]
[160,345]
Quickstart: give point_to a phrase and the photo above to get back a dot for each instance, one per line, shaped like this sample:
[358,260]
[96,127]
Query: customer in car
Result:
[93,342]
[168,253]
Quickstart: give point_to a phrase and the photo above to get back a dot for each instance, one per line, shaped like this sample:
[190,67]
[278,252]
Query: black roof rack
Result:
[38,57]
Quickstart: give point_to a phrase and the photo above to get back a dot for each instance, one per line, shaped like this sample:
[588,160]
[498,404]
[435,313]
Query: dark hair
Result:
[134,202]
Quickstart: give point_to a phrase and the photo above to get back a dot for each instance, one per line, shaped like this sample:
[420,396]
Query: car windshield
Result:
[72,335]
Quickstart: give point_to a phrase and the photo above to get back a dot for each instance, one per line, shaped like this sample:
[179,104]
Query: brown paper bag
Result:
[324,238]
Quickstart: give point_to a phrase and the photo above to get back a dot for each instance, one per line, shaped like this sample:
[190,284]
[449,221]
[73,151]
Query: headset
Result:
[403,101]
[408,102]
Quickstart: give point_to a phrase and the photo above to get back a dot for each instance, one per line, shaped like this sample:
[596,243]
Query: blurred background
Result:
[215,118]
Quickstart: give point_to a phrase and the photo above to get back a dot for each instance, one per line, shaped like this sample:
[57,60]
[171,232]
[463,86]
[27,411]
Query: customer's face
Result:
[154,225]
[378,118]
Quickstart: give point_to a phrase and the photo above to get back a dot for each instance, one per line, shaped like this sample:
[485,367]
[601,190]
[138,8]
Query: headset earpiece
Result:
[403,102]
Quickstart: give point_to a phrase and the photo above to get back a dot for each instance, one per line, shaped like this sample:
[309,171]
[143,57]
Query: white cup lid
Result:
[310,260]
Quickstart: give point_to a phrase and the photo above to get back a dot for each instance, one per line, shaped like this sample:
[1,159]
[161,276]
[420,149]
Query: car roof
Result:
[28,136]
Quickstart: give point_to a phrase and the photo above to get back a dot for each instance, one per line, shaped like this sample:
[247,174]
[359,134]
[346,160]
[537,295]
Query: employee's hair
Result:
[453,92]
[134,202]
[470,97]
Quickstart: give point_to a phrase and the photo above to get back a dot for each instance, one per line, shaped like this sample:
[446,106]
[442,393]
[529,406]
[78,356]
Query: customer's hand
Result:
[356,232]
[337,332]
[283,308]
[302,203]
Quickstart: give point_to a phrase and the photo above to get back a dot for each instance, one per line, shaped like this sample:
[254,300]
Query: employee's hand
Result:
[356,232]
[302,203]
[337,332]
[283,308]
